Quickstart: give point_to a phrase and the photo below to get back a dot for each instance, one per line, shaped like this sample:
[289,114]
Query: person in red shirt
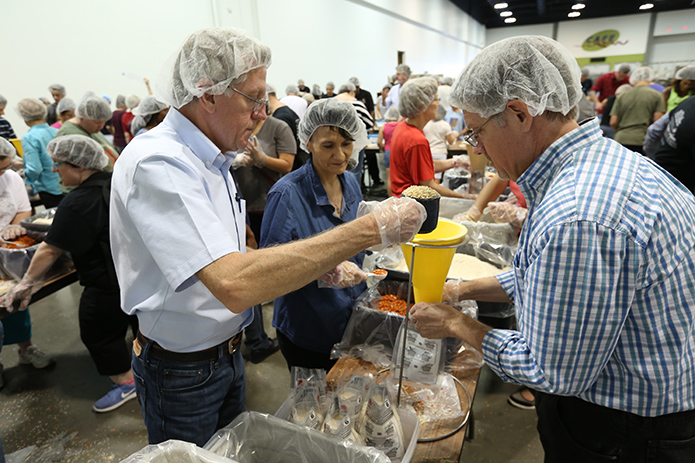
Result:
[607,84]
[411,158]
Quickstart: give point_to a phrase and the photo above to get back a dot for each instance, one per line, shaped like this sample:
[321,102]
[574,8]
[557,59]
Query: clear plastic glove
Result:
[471,215]
[13,231]
[462,160]
[254,150]
[18,297]
[507,213]
[242,160]
[451,291]
[345,275]
[398,219]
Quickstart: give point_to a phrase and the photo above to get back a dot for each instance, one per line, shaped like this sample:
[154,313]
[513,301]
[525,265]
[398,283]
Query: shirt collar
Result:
[320,195]
[534,181]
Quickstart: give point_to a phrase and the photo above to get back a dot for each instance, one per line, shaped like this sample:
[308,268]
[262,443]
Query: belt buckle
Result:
[233,344]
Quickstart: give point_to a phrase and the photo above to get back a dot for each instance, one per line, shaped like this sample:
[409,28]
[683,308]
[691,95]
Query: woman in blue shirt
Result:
[308,201]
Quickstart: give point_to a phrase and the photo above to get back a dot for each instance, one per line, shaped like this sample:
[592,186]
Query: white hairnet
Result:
[57,87]
[625,68]
[316,91]
[309,98]
[6,149]
[300,82]
[404,68]
[131,101]
[120,101]
[640,74]
[533,69]
[389,86]
[355,81]
[347,87]
[269,89]
[392,114]
[687,72]
[441,113]
[449,81]
[78,150]
[31,109]
[622,89]
[149,106]
[3,100]
[292,88]
[329,112]
[94,107]
[209,61]
[416,95]
[66,104]
[330,84]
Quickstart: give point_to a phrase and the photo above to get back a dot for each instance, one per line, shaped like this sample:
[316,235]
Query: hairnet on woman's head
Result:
[355,81]
[533,69]
[441,113]
[56,88]
[687,72]
[387,86]
[66,104]
[6,149]
[94,107]
[150,105]
[78,150]
[132,101]
[330,84]
[120,101]
[622,89]
[347,87]
[31,109]
[329,112]
[392,114]
[309,98]
[416,95]
[292,88]
[269,89]
[3,100]
[209,61]
[316,91]
[640,74]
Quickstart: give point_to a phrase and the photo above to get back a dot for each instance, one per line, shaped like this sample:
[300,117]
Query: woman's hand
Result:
[19,295]
[13,231]
[242,160]
[254,150]
[507,213]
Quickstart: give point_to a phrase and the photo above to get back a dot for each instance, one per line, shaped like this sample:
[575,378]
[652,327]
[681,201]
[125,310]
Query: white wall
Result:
[108,47]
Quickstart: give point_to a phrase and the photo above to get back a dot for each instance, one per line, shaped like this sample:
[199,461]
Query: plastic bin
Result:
[175,451]
[30,223]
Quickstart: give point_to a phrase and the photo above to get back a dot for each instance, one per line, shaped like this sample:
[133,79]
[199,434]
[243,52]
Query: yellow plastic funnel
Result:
[432,263]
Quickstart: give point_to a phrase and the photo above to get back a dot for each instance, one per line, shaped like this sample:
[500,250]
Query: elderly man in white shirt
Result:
[294,101]
[178,237]
[402,75]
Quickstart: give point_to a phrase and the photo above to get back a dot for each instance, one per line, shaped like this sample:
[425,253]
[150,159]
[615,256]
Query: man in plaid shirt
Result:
[603,279]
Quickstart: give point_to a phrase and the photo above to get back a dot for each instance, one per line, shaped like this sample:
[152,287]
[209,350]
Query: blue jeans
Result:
[188,401]
[255,337]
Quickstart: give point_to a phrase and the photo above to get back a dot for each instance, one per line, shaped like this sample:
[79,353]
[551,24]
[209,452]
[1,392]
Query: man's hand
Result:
[435,320]
[345,275]
[398,219]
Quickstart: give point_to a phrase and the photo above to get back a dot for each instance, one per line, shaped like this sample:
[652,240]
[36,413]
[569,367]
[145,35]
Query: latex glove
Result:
[462,160]
[471,215]
[451,291]
[254,150]
[13,231]
[507,213]
[345,275]
[242,160]
[398,219]
[19,295]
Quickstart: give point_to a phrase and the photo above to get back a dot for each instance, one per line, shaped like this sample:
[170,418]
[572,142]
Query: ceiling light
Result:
[500,6]
[506,14]
[646,6]
[510,20]
[574,14]
[578,6]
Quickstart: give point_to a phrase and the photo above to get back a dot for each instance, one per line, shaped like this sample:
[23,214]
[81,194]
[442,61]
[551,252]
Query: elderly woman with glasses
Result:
[411,157]
[311,200]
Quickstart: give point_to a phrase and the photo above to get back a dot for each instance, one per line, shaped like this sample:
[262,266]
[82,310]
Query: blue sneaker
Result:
[117,396]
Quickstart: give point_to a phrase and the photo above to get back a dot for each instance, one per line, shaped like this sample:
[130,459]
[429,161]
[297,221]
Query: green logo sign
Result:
[600,40]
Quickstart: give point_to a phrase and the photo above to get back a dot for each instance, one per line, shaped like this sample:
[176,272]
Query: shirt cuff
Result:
[506,279]
[494,343]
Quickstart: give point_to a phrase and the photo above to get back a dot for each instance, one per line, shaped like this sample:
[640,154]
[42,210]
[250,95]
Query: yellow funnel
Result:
[432,264]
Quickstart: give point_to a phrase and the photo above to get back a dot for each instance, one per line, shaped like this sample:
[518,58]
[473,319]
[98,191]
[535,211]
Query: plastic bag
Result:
[339,422]
[175,451]
[423,358]
[15,262]
[382,427]
[40,222]
[456,179]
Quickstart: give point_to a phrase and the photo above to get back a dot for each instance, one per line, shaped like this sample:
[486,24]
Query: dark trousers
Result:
[373,167]
[255,337]
[103,328]
[50,200]
[636,148]
[575,431]
[296,356]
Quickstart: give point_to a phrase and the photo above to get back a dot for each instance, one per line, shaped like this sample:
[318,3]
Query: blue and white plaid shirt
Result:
[603,282]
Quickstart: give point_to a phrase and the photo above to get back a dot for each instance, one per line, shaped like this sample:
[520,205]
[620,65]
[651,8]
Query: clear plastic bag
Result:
[456,179]
[423,358]
[174,451]
[15,262]
[40,222]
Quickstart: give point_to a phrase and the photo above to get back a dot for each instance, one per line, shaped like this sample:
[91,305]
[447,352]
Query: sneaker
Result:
[257,356]
[36,357]
[519,401]
[117,396]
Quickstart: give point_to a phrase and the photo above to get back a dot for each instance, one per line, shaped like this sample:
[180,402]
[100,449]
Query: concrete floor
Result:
[46,415]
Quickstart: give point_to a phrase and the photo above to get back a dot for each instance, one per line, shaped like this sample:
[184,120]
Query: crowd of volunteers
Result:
[249,186]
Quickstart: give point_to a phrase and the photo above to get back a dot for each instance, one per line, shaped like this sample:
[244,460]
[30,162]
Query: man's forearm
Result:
[486,289]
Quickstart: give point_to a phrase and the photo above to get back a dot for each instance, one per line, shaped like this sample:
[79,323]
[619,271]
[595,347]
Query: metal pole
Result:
[405,329]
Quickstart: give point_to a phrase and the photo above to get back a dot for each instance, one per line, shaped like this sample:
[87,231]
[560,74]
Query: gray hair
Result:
[292,88]
[404,68]
[625,68]
[347,87]
[120,101]
[57,88]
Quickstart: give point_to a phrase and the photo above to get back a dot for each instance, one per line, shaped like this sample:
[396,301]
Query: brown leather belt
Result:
[230,346]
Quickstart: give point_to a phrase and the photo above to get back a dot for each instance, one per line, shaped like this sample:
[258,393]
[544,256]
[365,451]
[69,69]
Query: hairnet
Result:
[347,87]
[533,69]
[392,114]
[209,61]
[66,104]
[416,95]
[404,68]
[687,72]
[132,101]
[31,109]
[622,89]
[269,89]
[441,113]
[333,113]
[330,84]
[309,98]
[316,91]
[44,100]
[6,149]
[57,88]
[585,72]
[292,88]
[78,150]
[120,101]
[449,81]
[94,107]
[640,74]
[300,82]
[623,68]
[389,86]
[355,81]
[3,100]
[149,106]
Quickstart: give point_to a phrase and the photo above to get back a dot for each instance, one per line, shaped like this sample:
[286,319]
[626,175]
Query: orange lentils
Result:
[390,303]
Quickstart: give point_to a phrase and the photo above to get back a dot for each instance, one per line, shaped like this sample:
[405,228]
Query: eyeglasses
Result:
[56,164]
[472,138]
[258,103]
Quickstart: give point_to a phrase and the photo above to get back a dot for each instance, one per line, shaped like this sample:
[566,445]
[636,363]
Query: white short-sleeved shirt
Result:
[174,210]
[436,132]
[13,197]
[296,104]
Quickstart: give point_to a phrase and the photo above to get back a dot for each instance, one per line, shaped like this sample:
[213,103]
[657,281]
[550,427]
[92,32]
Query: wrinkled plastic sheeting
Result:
[30,223]
[175,451]
[15,262]
[259,438]
[53,451]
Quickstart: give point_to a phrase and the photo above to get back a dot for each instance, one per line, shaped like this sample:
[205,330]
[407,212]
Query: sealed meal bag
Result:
[382,426]
[338,422]
[424,358]
[353,395]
